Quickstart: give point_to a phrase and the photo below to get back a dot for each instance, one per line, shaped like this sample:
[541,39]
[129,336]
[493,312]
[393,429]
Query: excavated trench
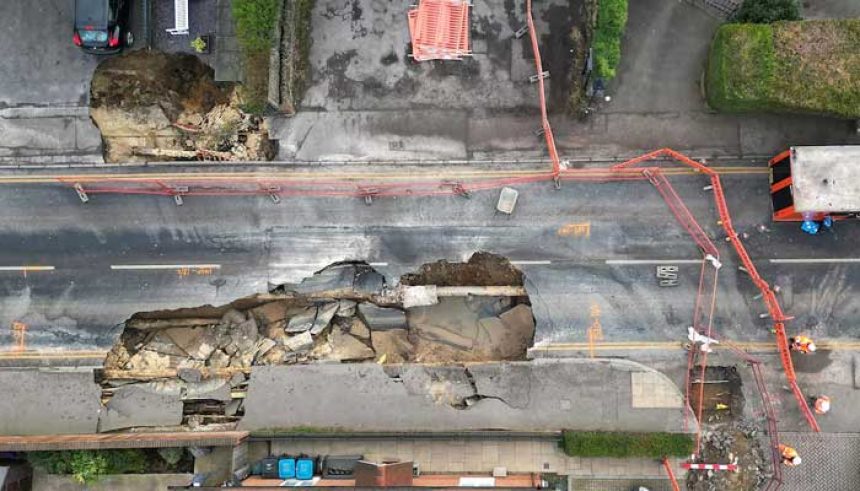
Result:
[446,313]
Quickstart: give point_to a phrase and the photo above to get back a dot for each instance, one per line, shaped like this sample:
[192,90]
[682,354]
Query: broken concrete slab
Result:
[541,395]
[337,277]
[381,318]
[198,343]
[368,281]
[325,313]
[162,344]
[300,342]
[303,321]
[359,329]
[133,406]
[66,402]
[347,348]
[393,344]
[217,389]
[346,308]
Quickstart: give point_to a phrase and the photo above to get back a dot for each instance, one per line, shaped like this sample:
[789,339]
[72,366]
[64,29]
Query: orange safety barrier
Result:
[672,480]
[774,309]
[439,30]
[547,129]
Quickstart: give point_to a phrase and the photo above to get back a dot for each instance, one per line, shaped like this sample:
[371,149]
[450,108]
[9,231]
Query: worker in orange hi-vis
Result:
[789,455]
[802,344]
[821,404]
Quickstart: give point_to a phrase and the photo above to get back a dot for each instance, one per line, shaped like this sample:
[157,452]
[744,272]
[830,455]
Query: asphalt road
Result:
[100,262]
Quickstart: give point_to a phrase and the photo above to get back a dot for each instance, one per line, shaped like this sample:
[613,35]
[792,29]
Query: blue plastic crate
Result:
[304,469]
[287,468]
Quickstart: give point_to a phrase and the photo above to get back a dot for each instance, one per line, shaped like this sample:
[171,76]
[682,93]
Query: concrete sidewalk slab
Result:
[48,402]
[544,395]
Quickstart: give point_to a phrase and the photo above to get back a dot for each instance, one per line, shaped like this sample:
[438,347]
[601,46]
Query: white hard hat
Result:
[796,461]
[811,346]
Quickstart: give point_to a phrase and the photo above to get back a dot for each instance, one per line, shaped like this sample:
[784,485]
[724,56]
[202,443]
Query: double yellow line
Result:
[430,175]
[759,346]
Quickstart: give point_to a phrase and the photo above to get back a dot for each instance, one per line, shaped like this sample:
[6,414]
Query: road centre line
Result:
[26,268]
[652,261]
[833,260]
[163,266]
[531,263]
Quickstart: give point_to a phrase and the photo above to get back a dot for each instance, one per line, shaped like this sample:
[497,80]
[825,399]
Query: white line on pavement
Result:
[653,261]
[164,266]
[381,265]
[534,263]
[816,260]
[26,268]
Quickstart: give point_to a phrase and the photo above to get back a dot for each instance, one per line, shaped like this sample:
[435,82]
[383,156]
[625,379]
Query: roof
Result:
[826,178]
[91,13]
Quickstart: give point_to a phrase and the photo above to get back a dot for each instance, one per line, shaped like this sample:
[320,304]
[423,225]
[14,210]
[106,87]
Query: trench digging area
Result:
[729,435]
[200,358]
[152,106]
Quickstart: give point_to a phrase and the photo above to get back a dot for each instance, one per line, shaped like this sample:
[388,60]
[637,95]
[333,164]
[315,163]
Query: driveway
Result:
[44,86]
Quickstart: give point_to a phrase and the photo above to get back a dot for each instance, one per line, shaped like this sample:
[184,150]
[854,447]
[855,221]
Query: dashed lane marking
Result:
[26,269]
[652,261]
[833,260]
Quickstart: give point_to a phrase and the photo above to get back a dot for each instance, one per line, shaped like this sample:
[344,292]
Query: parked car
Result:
[102,26]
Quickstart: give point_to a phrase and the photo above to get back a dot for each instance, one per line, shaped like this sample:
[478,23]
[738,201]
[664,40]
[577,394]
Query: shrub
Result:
[767,11]
[86,466]
[806,66]
[611,22]
[618,444]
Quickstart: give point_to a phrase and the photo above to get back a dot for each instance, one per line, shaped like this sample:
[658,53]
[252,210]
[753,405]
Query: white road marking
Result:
[535,263]
[26,268]
[653,261]
[163,266]
[380,265]
[816,260]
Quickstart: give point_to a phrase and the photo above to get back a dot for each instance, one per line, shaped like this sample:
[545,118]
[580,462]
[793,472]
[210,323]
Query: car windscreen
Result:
[91,14]
[93,37]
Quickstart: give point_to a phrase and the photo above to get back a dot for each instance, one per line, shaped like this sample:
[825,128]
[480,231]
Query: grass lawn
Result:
[806,66]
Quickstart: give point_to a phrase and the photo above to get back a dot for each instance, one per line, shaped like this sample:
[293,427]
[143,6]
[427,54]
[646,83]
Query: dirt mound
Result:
[482,269]
[157,106]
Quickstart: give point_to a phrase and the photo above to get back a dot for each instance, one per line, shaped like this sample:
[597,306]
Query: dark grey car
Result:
[102,26]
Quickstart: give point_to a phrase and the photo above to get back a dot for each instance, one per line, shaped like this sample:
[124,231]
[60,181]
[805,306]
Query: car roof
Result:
[91,13]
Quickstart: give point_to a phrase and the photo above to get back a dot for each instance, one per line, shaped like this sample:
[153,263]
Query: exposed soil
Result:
[482,269]
[726,436]
[721,394]
[156,106]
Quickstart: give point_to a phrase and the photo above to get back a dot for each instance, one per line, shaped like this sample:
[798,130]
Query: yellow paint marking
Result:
[582,229]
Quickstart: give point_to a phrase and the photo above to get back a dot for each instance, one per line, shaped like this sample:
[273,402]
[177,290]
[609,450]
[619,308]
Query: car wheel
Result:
[129,38]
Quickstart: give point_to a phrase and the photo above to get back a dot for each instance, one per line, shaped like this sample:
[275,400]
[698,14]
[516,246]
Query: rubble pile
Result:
[157,106]
[727,437]
[343,313]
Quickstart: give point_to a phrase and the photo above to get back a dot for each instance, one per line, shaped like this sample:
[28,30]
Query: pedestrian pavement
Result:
[831,461]
[473,455]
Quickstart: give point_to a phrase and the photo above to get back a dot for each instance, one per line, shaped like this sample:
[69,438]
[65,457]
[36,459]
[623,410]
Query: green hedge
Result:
[617,444]
[767,11]
[611,22]
[806,66]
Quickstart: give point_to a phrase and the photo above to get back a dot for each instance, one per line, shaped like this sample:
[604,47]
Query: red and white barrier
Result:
[710,467]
